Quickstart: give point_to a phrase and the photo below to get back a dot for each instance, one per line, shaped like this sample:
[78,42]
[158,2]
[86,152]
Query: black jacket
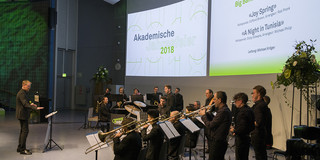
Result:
[129,148]
[104,113]
[178,102]
[155,141]
[171,103]
[23,107]
[260,114]
[244,121]
[220,124]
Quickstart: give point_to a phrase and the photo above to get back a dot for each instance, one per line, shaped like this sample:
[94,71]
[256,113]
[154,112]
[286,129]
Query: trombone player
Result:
[129,147]
[153,134]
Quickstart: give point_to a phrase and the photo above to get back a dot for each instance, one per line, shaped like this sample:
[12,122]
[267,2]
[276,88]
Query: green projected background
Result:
[23,48]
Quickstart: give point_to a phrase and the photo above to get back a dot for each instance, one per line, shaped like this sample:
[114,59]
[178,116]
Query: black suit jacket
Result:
[155,141]
[129,148]
[23,107]
[178,102]
[171,101]
[260,109]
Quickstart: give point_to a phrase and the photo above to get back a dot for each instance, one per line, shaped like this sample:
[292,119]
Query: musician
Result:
[209,96]
[136,91]
[178,100]
[155,95]
[163,108]
[196,105]
[23,109]
[269,139]
[104,113]
[175,142]
[153,134]
[209,101]
[125,98]
[170,98]
[258,135]
[129,147]
[107,94]
[244,124]
[218,127]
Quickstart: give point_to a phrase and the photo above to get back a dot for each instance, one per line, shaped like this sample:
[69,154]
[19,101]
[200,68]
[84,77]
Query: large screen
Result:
[168,41]
[257,36]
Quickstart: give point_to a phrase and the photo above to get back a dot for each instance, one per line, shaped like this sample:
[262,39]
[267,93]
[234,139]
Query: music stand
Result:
[204,138]
[169,131]
[192,128]
[94,140]
[49,144]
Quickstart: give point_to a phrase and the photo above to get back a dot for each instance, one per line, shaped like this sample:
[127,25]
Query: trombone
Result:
[107,136]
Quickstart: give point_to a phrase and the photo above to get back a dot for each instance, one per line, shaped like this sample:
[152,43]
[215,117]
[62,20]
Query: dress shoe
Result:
[26,152]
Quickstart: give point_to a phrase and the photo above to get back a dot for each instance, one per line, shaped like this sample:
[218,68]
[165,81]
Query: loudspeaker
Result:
[112,1]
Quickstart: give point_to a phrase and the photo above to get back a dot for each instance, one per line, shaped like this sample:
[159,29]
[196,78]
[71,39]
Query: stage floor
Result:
[66,134]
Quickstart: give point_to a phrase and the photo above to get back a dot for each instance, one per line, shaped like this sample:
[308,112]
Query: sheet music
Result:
[173,130]
[166,130]
[200,120]
[93,139]
[190,125]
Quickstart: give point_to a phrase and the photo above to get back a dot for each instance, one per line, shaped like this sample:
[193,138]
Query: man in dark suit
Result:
[155,96]
[153,134]
[164,110]
[23,109]
[218,127]
[129,147]
[170,98]
[178,100]
[244,124]
[258,135]
[175,142]
[104,113]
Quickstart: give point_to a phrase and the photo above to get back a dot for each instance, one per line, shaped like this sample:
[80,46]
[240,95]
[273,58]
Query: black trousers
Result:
[242,147]
[259,145]
[24,125]
[217,149]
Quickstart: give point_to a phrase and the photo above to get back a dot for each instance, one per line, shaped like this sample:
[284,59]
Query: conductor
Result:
[23,109]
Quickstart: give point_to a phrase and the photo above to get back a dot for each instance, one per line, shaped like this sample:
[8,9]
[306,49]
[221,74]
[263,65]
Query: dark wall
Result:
[98,34]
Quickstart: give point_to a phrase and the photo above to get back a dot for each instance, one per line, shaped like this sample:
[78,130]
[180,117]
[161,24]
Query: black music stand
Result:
[49,144]
[94,140]
[204,138]
[191,128]
[169,132]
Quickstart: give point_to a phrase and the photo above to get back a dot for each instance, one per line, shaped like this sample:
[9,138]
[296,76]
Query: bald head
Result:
[174,116]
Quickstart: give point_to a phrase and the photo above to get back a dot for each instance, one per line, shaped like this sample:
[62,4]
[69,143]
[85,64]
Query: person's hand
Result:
[231,129]
[256,124]
[32,104]
[39,108]
[146,126]
[202,112]
[119,134]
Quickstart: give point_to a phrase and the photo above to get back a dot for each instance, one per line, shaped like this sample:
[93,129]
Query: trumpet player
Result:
[153,134]
[218,127]
[129,147]
[244,124]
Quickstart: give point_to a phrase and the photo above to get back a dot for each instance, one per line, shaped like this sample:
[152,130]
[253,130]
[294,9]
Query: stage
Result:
[66,134]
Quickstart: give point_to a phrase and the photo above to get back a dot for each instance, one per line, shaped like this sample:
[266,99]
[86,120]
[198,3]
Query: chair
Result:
[90,117]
